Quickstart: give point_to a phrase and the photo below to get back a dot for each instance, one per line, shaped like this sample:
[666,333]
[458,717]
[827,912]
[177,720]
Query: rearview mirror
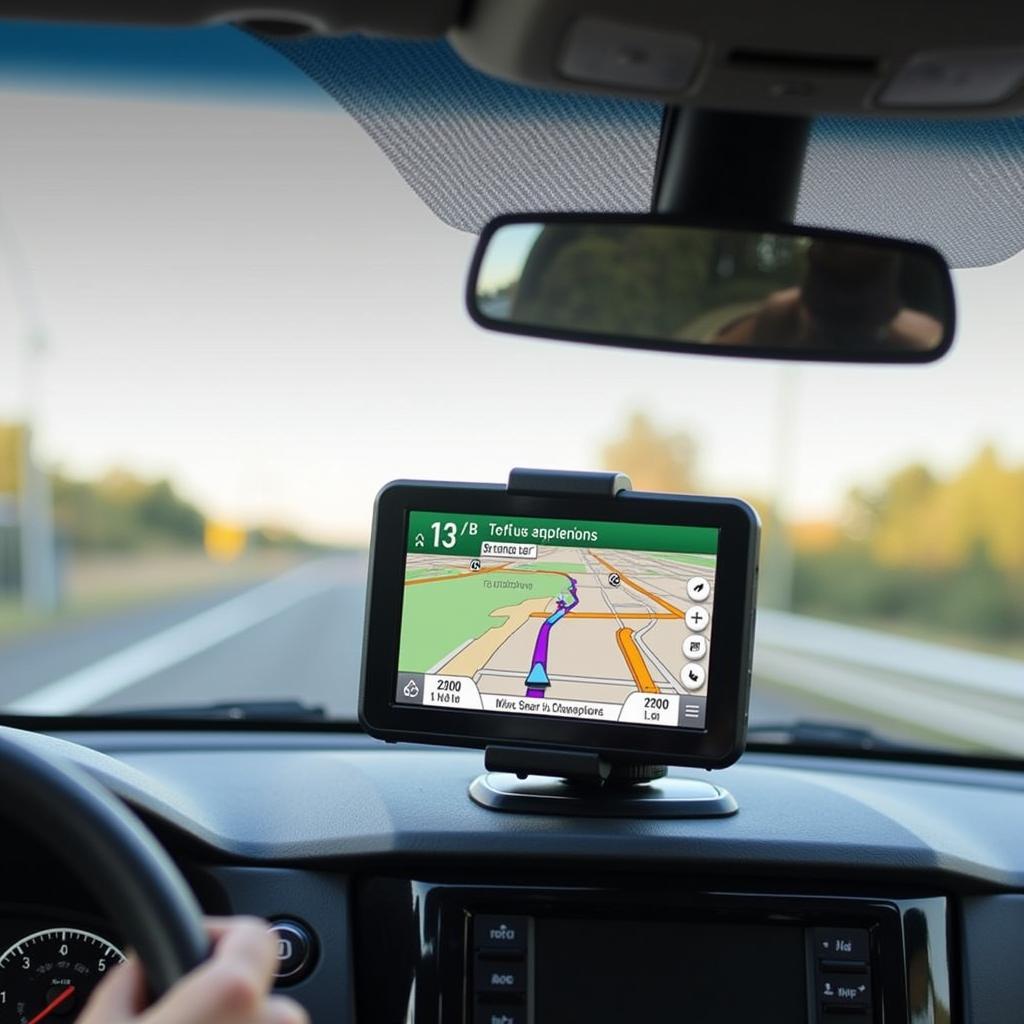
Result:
[653,282]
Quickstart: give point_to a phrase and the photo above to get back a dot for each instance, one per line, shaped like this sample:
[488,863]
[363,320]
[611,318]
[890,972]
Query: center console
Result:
[524,954]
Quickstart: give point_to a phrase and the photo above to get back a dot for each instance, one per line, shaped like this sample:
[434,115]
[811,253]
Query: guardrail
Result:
[928,690]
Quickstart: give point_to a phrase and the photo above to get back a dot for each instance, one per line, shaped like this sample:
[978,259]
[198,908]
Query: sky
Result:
[506,254]
[249,299]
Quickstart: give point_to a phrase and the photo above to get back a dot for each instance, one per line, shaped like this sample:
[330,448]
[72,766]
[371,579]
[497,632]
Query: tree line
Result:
[123,512]
[940,553]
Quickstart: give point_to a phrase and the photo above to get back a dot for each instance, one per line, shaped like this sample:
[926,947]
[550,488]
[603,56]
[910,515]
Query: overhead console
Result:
[788,57]
[540,955]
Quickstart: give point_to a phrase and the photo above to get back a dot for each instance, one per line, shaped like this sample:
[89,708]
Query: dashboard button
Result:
[841,943]
[500,975]
[844,989]
[499,1013]
[294,951]
[500,933]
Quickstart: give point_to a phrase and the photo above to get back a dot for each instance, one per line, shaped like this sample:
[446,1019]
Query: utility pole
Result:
[37,544]
[780,557]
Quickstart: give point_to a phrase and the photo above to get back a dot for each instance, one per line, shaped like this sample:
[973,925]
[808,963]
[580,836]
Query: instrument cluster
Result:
[49,966]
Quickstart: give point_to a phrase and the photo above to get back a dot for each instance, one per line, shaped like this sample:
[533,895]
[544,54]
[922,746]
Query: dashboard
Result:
[843,890]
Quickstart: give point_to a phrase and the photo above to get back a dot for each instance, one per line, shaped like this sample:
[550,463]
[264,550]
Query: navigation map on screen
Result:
[599,621]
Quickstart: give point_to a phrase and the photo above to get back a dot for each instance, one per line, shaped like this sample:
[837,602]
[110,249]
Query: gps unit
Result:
[565,612]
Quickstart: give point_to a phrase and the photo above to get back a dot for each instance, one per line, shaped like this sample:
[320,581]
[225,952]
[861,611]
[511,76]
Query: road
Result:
[299,636]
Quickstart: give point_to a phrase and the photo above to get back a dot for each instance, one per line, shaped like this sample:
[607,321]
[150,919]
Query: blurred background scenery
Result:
[77,547]
[923,553]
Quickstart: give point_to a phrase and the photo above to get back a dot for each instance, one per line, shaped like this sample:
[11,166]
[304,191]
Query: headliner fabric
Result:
[958,185]
[473,147]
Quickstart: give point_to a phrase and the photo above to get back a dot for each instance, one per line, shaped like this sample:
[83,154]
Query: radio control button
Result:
[500,975]
[496,933]
[499,1013]
[844,989]
[841,944]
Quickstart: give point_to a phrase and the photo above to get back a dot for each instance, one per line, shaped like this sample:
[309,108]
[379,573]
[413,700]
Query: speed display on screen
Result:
[596,621]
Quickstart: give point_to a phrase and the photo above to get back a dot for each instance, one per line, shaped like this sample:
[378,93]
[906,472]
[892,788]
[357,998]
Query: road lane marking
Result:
[634,659]
[178,643]
[882,699]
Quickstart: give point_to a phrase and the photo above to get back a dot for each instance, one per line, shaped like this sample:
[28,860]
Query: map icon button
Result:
[693,677]
[697,617]
[409,688]
[697,588]
[695,646]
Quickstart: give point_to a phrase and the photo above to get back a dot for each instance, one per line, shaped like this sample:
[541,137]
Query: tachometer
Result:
[48,975]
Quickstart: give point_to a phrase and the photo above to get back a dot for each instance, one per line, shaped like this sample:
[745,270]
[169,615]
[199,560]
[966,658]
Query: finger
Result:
[282,1010]
[230,986]
[120,996]
[247,941]
[217,927]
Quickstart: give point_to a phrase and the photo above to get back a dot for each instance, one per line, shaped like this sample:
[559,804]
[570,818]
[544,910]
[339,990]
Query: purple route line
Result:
[537,681]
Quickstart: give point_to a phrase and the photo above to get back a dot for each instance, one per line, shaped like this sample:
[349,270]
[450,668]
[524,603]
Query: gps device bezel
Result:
[731,639]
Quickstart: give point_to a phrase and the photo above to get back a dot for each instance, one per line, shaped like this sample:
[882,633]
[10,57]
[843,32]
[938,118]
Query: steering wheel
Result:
[118,860]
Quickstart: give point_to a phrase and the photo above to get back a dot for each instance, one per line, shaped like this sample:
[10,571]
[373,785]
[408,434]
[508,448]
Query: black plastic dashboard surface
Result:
[356,799]
[280,820]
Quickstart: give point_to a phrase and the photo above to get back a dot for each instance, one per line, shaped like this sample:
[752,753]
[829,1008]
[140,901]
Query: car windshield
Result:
[231,309]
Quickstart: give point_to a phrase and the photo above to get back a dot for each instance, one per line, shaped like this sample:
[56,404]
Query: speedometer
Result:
[48,975]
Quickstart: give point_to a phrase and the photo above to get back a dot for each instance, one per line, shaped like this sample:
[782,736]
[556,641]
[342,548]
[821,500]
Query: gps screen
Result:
[597,621]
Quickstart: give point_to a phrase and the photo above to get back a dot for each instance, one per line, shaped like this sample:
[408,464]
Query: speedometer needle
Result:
[47,1010]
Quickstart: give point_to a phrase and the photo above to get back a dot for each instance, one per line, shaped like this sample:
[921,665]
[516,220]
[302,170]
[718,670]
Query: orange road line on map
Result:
[676,613]
[453,576]
[635,660]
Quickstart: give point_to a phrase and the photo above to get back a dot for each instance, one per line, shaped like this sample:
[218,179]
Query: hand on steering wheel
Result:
[140,889]
[232,987]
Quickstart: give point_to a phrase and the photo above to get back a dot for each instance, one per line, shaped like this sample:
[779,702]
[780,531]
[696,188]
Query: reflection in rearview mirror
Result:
[648,282]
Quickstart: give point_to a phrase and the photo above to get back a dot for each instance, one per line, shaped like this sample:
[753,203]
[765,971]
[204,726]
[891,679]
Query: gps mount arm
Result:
[548,483]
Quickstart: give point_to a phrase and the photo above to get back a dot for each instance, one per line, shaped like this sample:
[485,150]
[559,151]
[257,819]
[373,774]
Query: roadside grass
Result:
[102,585]
[1008,647]
[898,730]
